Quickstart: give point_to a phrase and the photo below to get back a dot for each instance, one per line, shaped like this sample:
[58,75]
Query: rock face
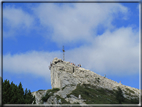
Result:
[67,76]
[38,95]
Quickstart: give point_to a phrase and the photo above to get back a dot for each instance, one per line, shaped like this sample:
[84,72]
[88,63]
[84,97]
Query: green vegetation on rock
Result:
[98,95]
[63,101]
[119,95]
[41,90]
[49,93]
[130,91]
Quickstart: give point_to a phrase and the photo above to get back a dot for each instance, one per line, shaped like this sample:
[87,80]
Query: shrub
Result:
[55,89]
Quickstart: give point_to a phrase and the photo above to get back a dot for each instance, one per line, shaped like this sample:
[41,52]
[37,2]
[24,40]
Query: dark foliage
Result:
[119,95]
[13,94]
[134,101]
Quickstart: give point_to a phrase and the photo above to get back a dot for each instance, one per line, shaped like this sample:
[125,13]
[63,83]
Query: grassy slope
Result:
[94,95]
[91,95]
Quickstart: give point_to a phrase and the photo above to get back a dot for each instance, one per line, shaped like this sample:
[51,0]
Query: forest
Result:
[13,94]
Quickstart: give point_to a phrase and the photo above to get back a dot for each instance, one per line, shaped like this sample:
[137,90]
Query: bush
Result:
[55,89]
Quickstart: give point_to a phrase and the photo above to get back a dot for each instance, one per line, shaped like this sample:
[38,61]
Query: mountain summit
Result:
[72,85]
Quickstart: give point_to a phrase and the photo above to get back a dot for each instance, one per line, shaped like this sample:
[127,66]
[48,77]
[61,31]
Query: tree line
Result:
[13,94]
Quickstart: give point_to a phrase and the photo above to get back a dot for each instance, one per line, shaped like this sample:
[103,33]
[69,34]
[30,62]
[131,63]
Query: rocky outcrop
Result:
[67,76]
[38,95]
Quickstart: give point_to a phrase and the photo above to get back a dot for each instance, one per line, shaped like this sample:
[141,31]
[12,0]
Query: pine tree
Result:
[6,92]
[26,96]
[20,94]
[30,97]
[13,94]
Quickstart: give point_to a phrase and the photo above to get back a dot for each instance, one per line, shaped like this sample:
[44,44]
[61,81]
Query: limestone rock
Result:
[53,100]
[67,90]
[38,95]
[65,74]
[66,77]
[74,99]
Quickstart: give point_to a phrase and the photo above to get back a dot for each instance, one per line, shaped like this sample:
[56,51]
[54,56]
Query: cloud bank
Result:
[76,22]
[113,52]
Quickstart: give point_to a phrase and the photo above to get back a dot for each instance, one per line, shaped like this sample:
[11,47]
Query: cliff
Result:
[67,77]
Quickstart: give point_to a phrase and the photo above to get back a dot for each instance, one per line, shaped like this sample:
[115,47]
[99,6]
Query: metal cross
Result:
[63,53]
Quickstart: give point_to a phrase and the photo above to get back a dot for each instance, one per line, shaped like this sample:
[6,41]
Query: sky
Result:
[102,37]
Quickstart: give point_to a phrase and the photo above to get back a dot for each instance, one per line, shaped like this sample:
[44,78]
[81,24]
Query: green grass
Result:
[95,95]
[92,95]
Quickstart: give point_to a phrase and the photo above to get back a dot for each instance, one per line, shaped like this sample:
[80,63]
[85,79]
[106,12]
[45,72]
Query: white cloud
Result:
[79,21]
[15,20]
[112,53]
[35,63]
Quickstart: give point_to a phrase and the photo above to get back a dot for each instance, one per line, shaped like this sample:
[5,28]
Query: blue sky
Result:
[103,37]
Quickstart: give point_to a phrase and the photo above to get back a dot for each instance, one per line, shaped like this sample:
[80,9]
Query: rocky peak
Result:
[66,76]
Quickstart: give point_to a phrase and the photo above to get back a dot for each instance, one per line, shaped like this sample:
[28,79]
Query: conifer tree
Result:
[13,94]
[20,94]
[6,91]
